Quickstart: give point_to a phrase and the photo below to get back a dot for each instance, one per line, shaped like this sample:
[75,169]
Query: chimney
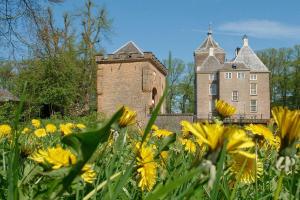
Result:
[237,50]
[211,52]
[245,40]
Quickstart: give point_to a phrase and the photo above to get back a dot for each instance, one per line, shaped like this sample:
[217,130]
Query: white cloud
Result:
[261,29]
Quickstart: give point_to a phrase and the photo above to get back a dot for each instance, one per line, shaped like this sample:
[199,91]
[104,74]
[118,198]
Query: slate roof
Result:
[5,96]
[228,66]
[210,64]
[247,56]
[129,48]
[209,42]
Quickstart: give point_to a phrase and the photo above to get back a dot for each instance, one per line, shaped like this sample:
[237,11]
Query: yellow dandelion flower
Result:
[188,144]
[162,133]
[41,132]
[214,135]
[88,174]
[57,157]
[154,127]
[253,168]
[66,129]
[81,126]
[184,128]
[238,141]
[25,130]
[164,155]
[51,128]
[224,109]
[36,123]
[288,125]
[262,131]
[128,117]
[5,130]
[147,167]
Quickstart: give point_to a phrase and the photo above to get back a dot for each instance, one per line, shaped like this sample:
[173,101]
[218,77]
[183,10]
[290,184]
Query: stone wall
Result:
[172,121]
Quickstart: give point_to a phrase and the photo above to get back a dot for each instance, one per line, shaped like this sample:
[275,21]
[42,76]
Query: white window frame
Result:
[253,77]
[228,75]
[212,91]
[242,73]
[253,111]
[212,76]
[252,89]
[237,95]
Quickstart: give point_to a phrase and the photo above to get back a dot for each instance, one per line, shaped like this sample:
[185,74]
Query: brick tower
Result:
[132,78]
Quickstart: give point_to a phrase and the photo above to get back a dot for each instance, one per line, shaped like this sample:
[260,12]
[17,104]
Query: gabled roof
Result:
[247,56]
[129,48]
[210,64]
[5,95]
[208,43]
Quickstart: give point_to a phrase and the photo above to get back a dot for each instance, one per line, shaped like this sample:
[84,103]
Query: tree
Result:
[94,28]
[175,70]
[283,64]
[186,89]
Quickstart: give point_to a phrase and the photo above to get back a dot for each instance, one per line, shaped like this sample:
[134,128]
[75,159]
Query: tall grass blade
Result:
[14,154]
[215,190]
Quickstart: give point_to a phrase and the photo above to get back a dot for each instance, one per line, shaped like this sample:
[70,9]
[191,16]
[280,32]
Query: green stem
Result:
[279,186]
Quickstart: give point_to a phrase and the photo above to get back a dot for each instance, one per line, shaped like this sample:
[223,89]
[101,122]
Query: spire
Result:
[209,32]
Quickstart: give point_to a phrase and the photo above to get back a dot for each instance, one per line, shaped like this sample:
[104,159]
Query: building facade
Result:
[132,78]
[242,82]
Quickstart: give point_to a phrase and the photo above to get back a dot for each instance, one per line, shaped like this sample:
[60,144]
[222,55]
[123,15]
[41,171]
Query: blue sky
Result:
[180,26]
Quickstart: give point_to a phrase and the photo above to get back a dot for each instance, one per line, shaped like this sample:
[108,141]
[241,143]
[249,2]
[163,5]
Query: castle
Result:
[242,82]
[132,77]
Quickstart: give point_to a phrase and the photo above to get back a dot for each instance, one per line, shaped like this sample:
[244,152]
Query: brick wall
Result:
[121,83]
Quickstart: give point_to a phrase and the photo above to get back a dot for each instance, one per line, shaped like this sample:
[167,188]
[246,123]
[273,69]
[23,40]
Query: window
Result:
[235,96]
[253,105]
[240,75]
[228,75]
[212,89]
[212,77]
[253,89]
[253,77]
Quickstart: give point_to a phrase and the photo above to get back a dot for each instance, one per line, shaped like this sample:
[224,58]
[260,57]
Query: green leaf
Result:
[214,192]
[163,190]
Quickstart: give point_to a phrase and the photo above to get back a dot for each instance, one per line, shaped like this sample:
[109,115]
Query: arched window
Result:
[153,99]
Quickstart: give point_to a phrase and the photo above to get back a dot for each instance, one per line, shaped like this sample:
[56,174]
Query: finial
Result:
[245,40]
[209,29]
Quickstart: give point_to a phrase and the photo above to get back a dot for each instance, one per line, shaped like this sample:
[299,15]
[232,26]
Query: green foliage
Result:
[180,81]
[7,112]
[284,65]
